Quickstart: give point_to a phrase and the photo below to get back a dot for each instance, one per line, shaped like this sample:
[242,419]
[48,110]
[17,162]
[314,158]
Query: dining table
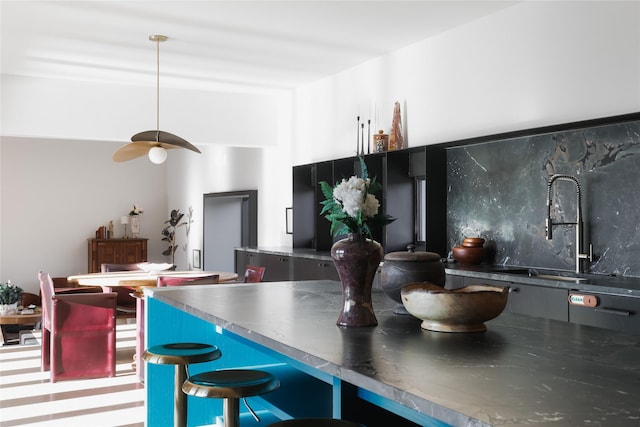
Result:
[21,318]
[137,281]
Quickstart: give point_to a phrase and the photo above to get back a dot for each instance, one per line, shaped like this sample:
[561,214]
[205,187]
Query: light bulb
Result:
[157,155]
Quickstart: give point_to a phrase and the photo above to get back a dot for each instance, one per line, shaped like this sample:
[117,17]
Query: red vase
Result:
[357,259]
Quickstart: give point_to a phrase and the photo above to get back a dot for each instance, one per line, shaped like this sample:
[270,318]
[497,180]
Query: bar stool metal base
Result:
[181,355]
[231,385]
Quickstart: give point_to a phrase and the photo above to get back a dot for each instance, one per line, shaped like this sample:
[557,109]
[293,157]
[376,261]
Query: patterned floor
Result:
[28,398]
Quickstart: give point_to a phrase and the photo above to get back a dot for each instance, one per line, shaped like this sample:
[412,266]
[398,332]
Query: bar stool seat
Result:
[231,385]
[315,422]
[181,355]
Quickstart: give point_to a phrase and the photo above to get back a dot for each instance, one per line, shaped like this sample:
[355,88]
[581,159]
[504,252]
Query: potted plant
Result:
[10,296]
[169,233]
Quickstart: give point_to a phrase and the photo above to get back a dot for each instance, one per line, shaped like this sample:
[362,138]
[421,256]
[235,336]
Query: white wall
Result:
[56,193]
[533,64]
[38,107]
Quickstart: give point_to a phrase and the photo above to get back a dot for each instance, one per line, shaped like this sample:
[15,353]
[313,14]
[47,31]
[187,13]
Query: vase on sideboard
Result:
[135,226]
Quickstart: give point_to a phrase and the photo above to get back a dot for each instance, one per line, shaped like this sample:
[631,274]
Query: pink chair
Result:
[78,333]
[253,274]
[126,306]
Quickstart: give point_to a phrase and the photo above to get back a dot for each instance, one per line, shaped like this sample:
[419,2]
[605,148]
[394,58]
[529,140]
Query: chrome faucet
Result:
[578,223]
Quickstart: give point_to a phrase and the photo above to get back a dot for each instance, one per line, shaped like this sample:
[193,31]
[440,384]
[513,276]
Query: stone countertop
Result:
[287,251]
[521,371]
[614,285]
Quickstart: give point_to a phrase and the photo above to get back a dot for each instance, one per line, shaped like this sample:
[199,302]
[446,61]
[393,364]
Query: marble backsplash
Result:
[498,190]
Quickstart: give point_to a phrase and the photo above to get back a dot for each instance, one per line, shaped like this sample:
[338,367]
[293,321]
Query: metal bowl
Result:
[459,310]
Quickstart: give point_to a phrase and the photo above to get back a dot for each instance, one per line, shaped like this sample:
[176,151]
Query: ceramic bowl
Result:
[468,256]
[459,310]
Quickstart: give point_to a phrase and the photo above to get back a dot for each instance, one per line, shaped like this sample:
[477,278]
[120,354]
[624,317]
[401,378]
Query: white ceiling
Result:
[216,45]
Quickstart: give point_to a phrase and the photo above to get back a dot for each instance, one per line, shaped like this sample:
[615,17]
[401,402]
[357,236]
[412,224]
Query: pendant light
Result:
[153,143]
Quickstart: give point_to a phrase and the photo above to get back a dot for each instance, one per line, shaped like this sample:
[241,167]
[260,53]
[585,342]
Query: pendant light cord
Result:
[158,38]
[158,89]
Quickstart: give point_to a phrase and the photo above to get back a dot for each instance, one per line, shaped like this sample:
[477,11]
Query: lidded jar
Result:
[401,268]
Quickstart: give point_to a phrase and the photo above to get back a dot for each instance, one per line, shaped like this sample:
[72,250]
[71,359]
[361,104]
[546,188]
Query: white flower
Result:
[353,197]
[370,206]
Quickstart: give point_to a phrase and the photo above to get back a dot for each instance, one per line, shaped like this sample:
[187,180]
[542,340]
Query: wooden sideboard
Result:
[116,251]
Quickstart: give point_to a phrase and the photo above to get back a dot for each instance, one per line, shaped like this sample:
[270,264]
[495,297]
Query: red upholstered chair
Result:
[126,306]
[78,333]
[253,274]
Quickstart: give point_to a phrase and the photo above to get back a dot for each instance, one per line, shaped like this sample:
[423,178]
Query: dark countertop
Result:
[614,285]
[287,251]
[521,371]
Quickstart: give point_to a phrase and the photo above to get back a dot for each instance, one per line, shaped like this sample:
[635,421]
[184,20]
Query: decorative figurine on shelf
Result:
[381,141]
[110,233]
[396,141]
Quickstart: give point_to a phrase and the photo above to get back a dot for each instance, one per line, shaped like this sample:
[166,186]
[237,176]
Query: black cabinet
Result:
[313,269]
[277,267]
[284,267]
[413,191]
[454,282]
[530,300]
[538,301]
[610,311]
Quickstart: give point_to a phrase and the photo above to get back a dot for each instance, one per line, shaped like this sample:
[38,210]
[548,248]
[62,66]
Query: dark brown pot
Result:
[400,268]
[468,256]
[357,259]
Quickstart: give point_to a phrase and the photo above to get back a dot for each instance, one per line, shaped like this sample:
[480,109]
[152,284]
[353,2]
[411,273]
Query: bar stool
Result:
[181,355]
[315,422]
[231,385]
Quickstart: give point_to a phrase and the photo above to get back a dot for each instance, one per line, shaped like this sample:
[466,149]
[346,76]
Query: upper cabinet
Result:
[413,191]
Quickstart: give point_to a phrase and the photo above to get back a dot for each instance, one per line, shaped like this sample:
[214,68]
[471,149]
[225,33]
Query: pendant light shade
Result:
[153,143]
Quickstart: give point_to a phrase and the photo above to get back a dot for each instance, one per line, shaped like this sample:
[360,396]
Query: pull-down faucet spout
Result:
[578,223]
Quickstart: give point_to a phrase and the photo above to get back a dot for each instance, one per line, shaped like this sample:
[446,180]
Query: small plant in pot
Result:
[10,297]
[169,233]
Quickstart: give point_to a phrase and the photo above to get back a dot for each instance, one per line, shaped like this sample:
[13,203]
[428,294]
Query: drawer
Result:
[538,301]
[619,313]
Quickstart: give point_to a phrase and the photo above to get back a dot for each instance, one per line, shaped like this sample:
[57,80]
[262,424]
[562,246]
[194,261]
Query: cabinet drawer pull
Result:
[512,289]
[613,311]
